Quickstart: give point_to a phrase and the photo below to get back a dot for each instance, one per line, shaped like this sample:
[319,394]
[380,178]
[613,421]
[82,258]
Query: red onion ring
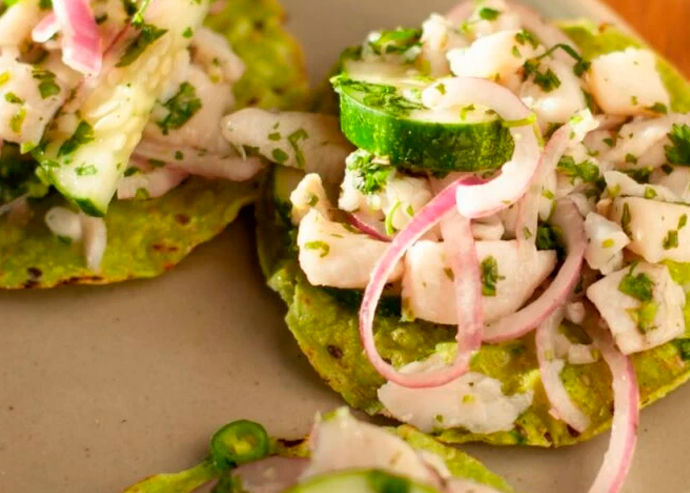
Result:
[626,402]
[568,219]
[81,40]
[360,224]
[46,29]
[466,280]
[556,392]
[476,201]
[528,213]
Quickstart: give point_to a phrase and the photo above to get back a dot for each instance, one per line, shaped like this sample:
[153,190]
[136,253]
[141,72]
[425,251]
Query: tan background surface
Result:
[664,23]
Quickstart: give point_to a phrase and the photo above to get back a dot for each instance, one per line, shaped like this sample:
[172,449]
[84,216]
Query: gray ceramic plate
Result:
[101,386]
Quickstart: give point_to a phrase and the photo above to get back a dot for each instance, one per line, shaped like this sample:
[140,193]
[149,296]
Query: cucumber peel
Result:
[380,119]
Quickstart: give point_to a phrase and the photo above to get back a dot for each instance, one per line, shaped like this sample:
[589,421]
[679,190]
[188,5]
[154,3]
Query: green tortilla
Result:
[147,238]
[459,463]
[325,325]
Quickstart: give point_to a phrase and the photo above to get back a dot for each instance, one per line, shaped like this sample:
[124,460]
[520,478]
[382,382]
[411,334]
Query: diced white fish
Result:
[674,178]
[203,130]
[605,243]
[558,104]
[621,185]
[639,325]
[439,35]
[639,143]
[309,195]
[429,294]
[25,111]
[475,402]
[340,442]
[306,141]
[228,165]
[64,223]
[149,184]
[326,253]
[658,230]
[488,229]
[575,312]
[492,57]
[79,227]
[17,22]
[627,82]
[506,20]
[116,106]
[212,51]
[400,198]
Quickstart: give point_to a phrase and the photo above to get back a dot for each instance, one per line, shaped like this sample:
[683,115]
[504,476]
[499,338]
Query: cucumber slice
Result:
[86,150]
[385,120]
[360,482]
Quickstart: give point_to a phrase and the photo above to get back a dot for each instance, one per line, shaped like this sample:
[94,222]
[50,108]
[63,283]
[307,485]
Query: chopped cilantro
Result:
[142,194]
[660,108]
[47,86]
[516,52]
[17,121]
[131,171]
[547,238]
[5,77]
[313,200]
[608,141]
[188,33]
[645,316]
[682,221]
[179,155]
[274,136]
[148,34]
[631,158]
[638,286]
[11,97]
[45,4]
[489,14]
[369,176]
[626,217]
[524,37]
[671,240]
[82,135]
[85,170]
[640,175]
[294,139]
[667,169]
[548,81]
[679,152]
[396,41]
[586,171]
[318,245]
[280,156]
[181,108]
[490,276]
[649,193]
[378,96]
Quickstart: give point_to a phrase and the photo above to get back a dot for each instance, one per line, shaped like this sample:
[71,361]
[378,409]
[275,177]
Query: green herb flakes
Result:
[679,151]
[490,276]
[323,247]
[294,140]
[369,176]
[82,135]
[148,34]
[181,108]
[638,286]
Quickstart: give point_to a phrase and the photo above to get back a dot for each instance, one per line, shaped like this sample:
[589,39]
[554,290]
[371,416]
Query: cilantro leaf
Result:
[370,177]
[181,108]
[679,152]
